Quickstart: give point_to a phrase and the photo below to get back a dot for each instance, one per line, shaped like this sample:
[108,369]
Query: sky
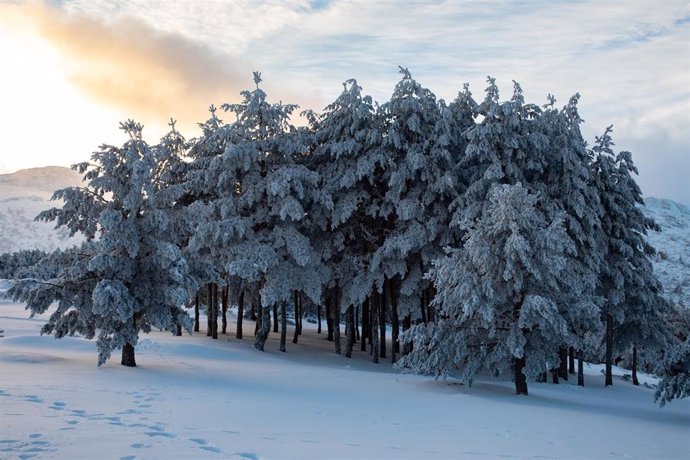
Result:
[73,70]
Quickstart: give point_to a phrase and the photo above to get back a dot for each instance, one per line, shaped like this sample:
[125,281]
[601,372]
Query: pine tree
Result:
[256,221]
[14,264]
[353,168]
[497,297]
[423,142]
[675,369]
[129,276]
[634,310]
[568,179]
[518,148]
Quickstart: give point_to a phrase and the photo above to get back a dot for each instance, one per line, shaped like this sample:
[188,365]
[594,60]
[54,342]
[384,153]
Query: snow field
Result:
[193,397]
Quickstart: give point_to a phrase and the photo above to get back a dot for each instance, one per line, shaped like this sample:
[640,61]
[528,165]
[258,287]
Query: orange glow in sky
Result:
[36,98]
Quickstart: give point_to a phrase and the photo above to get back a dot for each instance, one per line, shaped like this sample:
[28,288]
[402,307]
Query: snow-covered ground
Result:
[193,397]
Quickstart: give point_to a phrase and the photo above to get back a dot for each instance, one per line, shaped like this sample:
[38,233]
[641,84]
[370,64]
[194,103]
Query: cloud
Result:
[627,59]
[128,64]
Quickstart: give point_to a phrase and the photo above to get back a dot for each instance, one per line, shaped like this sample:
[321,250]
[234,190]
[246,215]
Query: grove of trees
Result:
[485,234]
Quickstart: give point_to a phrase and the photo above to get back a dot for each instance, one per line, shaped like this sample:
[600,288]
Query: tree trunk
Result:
[383,300]
[329,317]
[349,331]
[300,315]
[128,355]
[375,325]
[406,324]
[296,334]
[216,308]
[563,369]
[609,350]
[226,295]
[571,361]
[357,336]
[318,319]
[336,319]
[395,321]
[196,313]
[634,366]
[520,378]
[259,316]
[580,369]
[264,330]
[128,350]
[275,317]
[209,310]
[365,325]
[422,305]
[554,376]
[283,325]
[430,315]
[240,314]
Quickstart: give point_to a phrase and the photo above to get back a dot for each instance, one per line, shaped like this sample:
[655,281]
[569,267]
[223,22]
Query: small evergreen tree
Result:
[675,369]
[129,276]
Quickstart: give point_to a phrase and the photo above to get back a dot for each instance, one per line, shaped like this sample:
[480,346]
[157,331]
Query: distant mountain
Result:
[672,262]
[23,195]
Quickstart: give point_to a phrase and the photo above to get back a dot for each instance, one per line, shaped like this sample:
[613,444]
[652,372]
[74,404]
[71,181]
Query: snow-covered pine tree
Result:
[567,179]
[129,276]
[202,218]
[13,264]
[424,141]
[264,193]
[675,371]
[632,293]
[511,145]
[353,168]
[497,298]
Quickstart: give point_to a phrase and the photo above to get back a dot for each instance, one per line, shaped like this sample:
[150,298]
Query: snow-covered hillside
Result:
[672,262]
[23,195]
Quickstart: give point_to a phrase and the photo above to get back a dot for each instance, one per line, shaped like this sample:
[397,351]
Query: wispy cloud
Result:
[629,60]
[126,63]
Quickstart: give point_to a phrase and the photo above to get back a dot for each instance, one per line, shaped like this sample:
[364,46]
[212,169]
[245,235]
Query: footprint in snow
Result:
[247,455]
[58,405]
[33,399]
[163,434]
